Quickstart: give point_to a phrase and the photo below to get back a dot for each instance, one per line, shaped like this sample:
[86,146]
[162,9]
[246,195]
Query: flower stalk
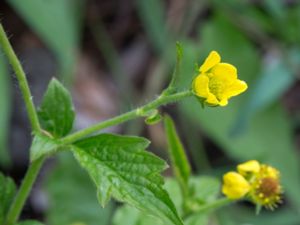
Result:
[207,208]
[139,112]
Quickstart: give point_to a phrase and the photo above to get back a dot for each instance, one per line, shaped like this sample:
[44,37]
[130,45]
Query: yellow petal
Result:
[251,166]
[225,70]
[236,88]
[274,173]
[235,186]
[223,102]
[212,59]
[200,85]
[269,171]
[212,100]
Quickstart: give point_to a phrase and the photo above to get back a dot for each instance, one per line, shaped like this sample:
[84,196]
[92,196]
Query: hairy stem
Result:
[23,192]
[161,100]
[34,168]
[16,65]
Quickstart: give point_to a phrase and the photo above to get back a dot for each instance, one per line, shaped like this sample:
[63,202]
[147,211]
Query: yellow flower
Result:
[235,186]
[265,187]
[248,167]
[257,182]
[217,82]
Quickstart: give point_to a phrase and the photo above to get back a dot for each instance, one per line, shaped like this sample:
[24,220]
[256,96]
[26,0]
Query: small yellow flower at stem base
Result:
[248,167]
[257,182]
[217,82]
[235,186]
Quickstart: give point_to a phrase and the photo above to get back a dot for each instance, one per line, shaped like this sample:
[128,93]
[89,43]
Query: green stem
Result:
[215,205]
[195,209]
[23,192]
[161,100]
[34,168]
[15,63]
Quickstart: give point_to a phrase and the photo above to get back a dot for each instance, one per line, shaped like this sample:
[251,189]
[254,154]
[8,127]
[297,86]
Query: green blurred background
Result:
[114,55]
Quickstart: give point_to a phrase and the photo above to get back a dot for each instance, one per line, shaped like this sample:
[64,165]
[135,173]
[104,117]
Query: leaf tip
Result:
[179,50]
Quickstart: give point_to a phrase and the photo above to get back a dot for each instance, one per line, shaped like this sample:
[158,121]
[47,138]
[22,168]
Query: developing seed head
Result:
[266,189]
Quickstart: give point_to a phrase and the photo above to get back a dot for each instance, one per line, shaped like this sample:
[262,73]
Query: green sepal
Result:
[258,209]
[196,69]
[153,118]
[173,86]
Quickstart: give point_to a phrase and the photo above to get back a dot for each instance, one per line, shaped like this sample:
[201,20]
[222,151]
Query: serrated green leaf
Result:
[180,163]
[56,112]
[120,167]
[7,193]
[42,145]
[30,222]
[204,188]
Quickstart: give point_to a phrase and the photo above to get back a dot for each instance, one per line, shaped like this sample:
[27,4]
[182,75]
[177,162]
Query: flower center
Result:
[268,187]
[216,87]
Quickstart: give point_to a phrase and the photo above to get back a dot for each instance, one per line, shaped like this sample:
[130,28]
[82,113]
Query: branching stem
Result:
[35,166]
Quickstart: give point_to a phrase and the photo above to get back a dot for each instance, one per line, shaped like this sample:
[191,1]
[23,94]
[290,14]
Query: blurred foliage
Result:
[58,23]
[282,216]
[7,193]
[29,222]
[72,196]
[155,26]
